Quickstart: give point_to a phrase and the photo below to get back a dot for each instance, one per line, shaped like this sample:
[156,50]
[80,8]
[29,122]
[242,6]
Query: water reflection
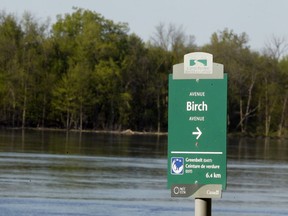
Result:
[76,143]
[258,148]
[59,173]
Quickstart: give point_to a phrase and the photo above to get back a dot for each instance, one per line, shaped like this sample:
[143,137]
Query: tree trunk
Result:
[67,119]
[24,106]
[247,113]
[267,116]
[241,116]
[14,107]
[43,112]
[280,128]
[158,112]
[81,117]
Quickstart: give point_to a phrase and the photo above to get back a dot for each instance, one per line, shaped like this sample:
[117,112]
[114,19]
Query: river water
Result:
[59,173]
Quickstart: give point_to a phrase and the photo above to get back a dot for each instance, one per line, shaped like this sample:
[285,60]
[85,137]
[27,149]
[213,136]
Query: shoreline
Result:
[116,132]
[131,132]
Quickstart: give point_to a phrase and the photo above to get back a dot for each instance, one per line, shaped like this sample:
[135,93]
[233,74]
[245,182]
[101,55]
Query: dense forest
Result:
[87,72]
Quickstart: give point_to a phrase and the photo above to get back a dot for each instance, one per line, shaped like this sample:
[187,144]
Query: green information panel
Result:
[197,137]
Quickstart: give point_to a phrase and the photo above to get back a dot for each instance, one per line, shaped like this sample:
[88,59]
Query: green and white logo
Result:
[198,63]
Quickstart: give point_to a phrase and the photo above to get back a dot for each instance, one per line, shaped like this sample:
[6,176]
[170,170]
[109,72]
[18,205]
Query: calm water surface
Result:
[58,173]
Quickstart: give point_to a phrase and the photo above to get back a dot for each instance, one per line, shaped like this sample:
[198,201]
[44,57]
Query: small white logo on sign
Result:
[179,190]
[198,63]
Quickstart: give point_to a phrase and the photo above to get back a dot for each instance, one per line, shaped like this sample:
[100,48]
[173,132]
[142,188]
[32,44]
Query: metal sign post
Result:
[197,130]
[203,206]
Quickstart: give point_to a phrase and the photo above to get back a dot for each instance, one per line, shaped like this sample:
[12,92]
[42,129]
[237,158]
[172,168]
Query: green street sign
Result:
[197,137]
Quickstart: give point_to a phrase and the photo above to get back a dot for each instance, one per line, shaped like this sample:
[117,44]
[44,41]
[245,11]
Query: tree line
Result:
[87,72]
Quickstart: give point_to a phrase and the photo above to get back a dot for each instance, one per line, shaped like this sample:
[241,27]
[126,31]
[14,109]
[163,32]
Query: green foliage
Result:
[88,72]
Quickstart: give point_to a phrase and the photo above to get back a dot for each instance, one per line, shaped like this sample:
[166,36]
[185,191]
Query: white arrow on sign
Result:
[198,133]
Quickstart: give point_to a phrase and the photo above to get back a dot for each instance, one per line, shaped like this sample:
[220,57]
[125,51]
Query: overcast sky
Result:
[260,19]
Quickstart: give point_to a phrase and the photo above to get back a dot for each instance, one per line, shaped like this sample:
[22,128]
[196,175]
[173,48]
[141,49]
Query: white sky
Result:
[260,19]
